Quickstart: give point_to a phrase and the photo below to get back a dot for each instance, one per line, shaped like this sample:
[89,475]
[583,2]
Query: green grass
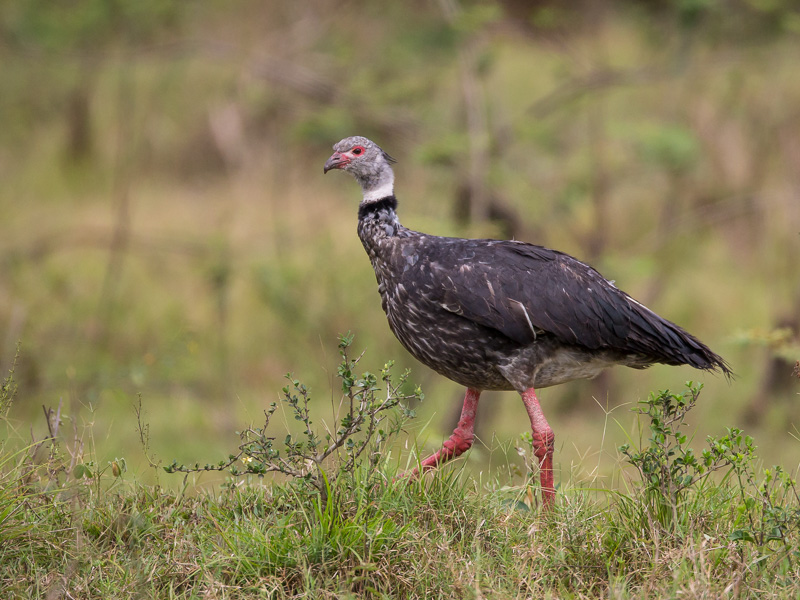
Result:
[441,538]
[73,527]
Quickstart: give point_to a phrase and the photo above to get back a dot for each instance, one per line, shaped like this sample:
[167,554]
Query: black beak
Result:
[336,161]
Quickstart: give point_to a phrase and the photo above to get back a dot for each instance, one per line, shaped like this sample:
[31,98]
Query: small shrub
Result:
[766,513]
[372,416]
[668,467]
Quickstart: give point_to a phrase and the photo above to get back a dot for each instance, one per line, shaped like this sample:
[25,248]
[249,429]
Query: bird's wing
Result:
[524,291]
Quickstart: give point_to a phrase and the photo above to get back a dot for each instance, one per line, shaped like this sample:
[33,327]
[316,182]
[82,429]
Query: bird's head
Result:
[367,162]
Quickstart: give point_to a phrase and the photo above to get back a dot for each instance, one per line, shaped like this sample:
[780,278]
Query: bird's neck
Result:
[378,192]
[378,228]
[377,216]
[377,184]
[381,209]
[378,202]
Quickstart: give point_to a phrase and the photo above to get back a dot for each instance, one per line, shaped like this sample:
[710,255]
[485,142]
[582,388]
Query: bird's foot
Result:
[459,442]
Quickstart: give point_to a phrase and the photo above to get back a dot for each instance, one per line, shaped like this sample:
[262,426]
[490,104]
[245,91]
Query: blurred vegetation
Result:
[166,230]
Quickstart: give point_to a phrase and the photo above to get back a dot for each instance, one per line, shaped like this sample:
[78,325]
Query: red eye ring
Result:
[357,150]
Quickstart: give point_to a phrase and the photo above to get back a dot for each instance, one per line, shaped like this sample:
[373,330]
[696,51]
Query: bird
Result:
[501,314]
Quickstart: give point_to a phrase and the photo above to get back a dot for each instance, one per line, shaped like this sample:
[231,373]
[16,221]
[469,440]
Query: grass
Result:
[438,538]
[73,528]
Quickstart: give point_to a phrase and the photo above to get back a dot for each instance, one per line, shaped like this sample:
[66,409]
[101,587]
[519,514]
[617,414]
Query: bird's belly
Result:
[546,363]
[450,345]
[556,372]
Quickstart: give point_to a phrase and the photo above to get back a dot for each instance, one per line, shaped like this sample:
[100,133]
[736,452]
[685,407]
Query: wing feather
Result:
[523,291]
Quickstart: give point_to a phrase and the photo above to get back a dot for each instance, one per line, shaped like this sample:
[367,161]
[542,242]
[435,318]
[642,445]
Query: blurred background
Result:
[166,232]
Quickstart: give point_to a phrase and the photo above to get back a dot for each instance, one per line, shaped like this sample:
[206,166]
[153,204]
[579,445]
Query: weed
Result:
[668,467]
[361,434]
[675,487]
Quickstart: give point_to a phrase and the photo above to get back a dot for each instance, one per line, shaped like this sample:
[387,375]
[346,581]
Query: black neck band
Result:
[368,208]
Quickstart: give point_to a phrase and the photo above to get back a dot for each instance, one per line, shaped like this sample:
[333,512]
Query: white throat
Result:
[382,191]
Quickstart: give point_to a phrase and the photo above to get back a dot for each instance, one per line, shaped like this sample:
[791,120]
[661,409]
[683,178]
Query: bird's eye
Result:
[358,150]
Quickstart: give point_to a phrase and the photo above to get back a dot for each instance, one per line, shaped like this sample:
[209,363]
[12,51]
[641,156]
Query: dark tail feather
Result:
[703,358]
[679,347]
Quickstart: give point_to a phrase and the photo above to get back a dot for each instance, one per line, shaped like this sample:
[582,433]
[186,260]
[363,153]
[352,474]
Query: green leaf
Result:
[742,535]
[81,471]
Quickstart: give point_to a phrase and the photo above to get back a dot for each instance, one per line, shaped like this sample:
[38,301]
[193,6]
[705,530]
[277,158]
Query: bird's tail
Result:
[676,345]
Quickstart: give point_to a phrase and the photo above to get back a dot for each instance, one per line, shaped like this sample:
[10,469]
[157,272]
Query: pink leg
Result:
[462,437]
[543,445]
